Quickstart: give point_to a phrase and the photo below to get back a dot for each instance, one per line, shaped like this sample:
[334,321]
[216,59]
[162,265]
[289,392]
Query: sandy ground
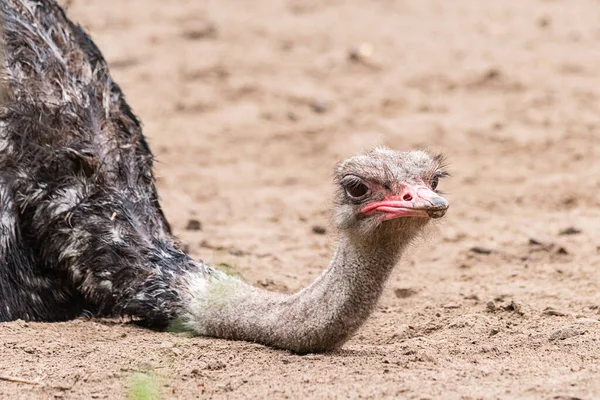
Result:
[248,104]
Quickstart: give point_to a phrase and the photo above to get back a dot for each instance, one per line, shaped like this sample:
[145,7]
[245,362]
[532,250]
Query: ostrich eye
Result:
[355,188]
[436,178]
[358,190]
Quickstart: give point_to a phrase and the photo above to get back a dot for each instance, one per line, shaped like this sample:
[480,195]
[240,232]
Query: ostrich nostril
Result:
[407,197]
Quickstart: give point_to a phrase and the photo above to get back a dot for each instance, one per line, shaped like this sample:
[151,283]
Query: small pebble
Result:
[450,306]
[215,366]
[292,116]
[194,225]
[403,293]
[544,22]
[320,107]
[516,307]
[236,252]
[361,53]
[570,231]
[176,351]
[402,333]
[566,333]
[480,250]
[554,313]
[562,251]
[206,31]
[319,230]
[535,242]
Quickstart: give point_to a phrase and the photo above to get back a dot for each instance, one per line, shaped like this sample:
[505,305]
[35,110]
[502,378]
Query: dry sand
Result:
[247,106]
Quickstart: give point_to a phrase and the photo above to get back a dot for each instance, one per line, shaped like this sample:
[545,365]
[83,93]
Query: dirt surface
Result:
[247,106]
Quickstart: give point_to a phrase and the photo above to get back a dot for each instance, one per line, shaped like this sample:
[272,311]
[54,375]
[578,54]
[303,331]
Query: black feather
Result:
[81,224]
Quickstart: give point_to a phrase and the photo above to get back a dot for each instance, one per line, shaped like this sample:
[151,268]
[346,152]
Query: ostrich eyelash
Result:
[436,177]
[351,181]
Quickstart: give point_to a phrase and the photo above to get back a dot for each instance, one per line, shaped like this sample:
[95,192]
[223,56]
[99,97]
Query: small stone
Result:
[320,107]
[562,251]
[423,357]
[535,242]
[292,116]
[490,306]
[570,201]
[480,250]
[266,283]
[403,293]
[544,22]
[402,333]
[570,231]
[492,73]
[518,307]
[552,312]
[206,31]
[451,306]
[236,252]
[176,351]
[566,333]
[361,53]
[319,229]
[215,366]
[194,225]
[145,366]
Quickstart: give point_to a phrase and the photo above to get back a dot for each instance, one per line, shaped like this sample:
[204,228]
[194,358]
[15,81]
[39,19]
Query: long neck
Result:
[320,317]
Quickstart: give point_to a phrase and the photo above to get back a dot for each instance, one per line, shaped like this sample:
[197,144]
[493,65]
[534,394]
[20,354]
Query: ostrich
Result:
[82,229]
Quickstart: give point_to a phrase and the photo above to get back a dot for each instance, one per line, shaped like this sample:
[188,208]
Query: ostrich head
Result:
[388,193]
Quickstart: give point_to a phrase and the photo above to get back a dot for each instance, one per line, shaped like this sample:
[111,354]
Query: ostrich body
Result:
[82,229]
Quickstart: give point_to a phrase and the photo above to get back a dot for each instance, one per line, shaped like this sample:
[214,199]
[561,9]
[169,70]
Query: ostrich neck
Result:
[320,317]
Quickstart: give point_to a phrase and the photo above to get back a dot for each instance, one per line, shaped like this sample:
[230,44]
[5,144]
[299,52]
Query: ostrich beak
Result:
[413,201]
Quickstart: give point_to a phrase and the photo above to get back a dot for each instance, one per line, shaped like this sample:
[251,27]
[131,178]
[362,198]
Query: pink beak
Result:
[413,201]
